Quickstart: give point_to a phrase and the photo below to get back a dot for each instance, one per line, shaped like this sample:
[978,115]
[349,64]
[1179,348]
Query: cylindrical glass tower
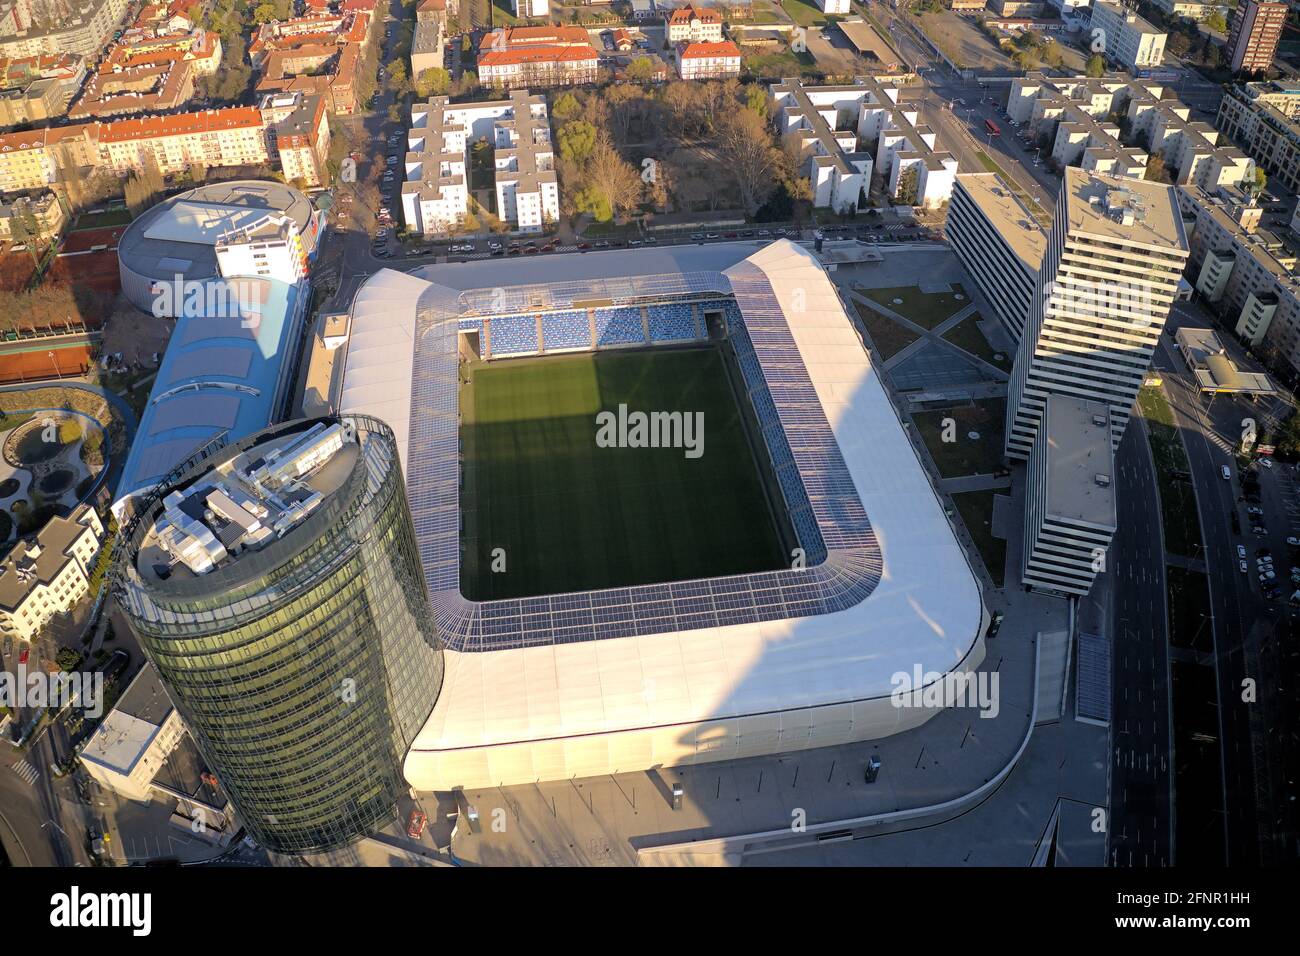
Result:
[276,585]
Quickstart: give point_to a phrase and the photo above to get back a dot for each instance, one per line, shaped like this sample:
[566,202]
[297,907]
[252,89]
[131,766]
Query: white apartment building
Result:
[49,574]
[1127,39]
[435,196]
[837,6]
[1069,497]
[691,25]
[837,165]
[708,61]
[1114,259]
[136,737]
[1074,113]
[79,27]
[1189,9]
[532,8]
[271,248]
[1246,274]
[999,243]
[1264,118]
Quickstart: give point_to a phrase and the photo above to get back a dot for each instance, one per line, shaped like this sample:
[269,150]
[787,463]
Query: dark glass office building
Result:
[276,586]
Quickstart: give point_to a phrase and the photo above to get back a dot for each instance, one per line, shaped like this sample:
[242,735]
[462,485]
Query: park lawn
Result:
[804,12]
[782,64]
[964,455]
[572,516]
[926,309]
[888,336]
[976,510]
[1179,516]
[966,335]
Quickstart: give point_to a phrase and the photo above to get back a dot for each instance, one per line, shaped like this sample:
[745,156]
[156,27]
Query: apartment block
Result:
[1197,10]
[1247,274]
[298,136]
[428,40]
[1074,113]
[692,25]
[528,9]
[513,58]
[313,55]
[708,61]
[1264,118]
[1254,35]
[837,159]
[1070,510]
[39,88]
[35,216]
[1115,256]
[228,137]
[435,196]
[49,573]
[999,243]
[82,26]
[1128,40]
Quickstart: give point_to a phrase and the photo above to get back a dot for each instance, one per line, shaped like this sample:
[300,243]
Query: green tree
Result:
[1216,22]
[756,99]
[641,69]
[434,81]
[577,140]
[591,200]
[566,108]
[1096,66]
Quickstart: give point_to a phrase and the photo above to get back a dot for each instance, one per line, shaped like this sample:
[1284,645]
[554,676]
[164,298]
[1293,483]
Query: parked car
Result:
[1243,566]
[1241,550]
[1227,475]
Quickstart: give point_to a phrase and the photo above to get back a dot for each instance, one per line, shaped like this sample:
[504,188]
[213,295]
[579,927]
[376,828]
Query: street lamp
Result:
[53,362]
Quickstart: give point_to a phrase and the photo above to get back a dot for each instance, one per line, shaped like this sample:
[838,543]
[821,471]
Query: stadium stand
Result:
[672,323]
[566,330]
[621,326]
[513,334]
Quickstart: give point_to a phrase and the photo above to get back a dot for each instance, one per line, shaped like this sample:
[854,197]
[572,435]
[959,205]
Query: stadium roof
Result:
[221,373]
[921,607]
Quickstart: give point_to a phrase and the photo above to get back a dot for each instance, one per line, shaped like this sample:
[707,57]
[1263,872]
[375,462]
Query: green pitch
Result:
[571,515]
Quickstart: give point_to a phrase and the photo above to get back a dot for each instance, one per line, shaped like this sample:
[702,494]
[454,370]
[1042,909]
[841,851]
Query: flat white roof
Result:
[926,611]
[200,222]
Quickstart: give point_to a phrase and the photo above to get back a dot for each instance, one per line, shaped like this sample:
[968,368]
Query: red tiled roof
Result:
[575,36]
[692,51]
[687,14]
[543,54]
[208,121]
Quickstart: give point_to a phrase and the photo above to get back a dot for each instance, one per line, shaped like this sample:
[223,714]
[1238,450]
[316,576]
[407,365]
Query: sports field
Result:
[572,515]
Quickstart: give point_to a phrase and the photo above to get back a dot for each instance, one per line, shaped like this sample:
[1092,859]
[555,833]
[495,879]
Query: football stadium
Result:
[665,510]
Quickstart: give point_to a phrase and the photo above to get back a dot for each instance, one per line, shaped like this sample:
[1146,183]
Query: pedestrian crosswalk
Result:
[26,772]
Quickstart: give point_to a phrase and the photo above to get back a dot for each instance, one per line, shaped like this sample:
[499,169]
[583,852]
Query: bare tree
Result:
[746,145]
[613,178]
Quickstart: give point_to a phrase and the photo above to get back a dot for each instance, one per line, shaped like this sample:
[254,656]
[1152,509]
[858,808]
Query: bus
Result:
[992,127]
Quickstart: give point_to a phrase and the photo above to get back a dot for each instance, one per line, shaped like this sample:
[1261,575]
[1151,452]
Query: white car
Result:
[1266,462]
[1241,549]
[1243,566]
[1294,542]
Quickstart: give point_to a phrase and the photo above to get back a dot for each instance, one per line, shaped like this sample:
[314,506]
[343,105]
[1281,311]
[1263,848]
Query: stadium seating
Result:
[672,323]
[566,330]
[621,326]
[513,334]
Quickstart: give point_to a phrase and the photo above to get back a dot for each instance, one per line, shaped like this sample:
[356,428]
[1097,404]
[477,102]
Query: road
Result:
[1141,829]
[1244,623]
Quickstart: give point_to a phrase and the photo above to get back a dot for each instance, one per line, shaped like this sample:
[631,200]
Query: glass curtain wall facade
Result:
[305,669]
